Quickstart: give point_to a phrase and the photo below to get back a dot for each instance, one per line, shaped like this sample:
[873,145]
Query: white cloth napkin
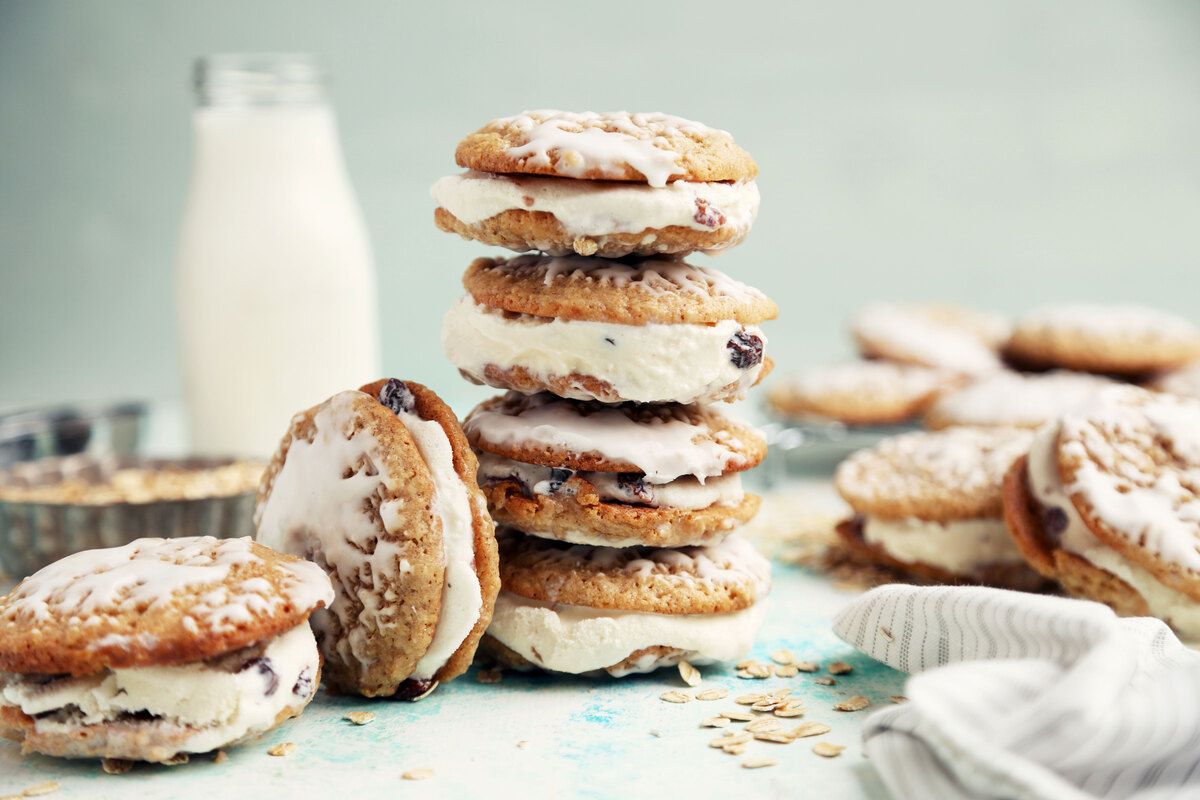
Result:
[1024,696]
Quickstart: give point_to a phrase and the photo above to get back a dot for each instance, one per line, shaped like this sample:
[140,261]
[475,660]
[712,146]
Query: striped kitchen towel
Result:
[1018,695]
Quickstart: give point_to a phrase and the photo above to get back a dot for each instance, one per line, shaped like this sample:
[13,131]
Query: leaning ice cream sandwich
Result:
[377,486]
[1108,504]
[158,649]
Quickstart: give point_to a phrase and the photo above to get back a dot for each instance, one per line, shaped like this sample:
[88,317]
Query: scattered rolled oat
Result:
[887,634]
[757,670]
[792,708]
[715,722]
[282,749]
[807,666]
[39,789]
[713,694]
[767,704]
[745,662]
[825,681]
[657,734]
[489,676]
[806,729]
[839,668]
[521,745]
[176,760]
[115,766]
[899,698]
[734,749]
[675,696]
[691,676]
[417,774]
[855,703]
[737,716]
[784,657]
[786,671]
[360,717]
[730,739]
[777,737]
[827,750]
[764,725]
[748,699]
[759,763]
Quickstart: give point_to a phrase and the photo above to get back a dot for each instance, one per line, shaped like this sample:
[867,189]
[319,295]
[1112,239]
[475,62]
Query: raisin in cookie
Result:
[1111,339]
[929,503]
[1014,399]
[593,610]
[949,337]
[592,329]
[859,392]
[623,475]
[377,486]
[159,648]
[1108,504]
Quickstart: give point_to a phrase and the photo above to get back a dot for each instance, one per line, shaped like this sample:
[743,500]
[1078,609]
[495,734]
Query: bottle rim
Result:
[258,79]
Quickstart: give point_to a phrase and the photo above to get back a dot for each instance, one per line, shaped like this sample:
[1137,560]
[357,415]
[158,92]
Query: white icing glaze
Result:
[215,705]
[147,573]
[311,498]
[963,546]
[1012,398]
[684,493]
[663,449]
[1111,321]
[679,363]
[926,339]
[577,143]
[1173,607]
[600,208]
[1157,507]
[576,639]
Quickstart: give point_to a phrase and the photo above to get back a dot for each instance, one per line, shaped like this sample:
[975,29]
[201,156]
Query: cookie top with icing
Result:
[652,291]
[155,602]
[662,441]
[859,392]
[1014,399]
[931,335]
[713,579]
[935,476]
[1130,461]
[1115,339]
[651,148]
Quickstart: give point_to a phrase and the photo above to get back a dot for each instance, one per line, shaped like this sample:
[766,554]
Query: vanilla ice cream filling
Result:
[576,639]
[218,701]
[963,547]
[686,493]
[1171,606]
[598,208]
[681,362]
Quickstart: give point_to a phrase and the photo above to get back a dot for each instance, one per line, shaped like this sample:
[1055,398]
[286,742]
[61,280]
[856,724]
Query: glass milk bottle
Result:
[276,287]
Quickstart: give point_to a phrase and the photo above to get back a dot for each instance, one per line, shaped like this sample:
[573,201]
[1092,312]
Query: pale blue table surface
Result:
[587,738]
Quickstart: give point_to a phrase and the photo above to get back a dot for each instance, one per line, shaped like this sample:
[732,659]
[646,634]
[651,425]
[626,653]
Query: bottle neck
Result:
[258,80]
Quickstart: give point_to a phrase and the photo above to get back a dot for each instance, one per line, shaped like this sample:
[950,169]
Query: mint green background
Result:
[1004,154]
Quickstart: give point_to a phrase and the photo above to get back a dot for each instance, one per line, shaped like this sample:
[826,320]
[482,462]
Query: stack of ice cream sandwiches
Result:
[614,479]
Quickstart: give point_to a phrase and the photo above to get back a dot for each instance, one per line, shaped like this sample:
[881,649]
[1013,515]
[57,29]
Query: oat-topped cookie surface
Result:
[154,602]
[653,148]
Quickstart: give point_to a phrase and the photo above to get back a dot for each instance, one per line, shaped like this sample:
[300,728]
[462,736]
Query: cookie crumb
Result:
[521,745]
[417,774]
[713,694]
[39,789]
[784,657]
[840,668]
[489,676]
[825,681]
[855,703]
[675,696]
[115,766]
[899,698]
[691,676]
[828,750]
[887,633]
[758,763]
[806,729]
[657,734]
[176,760]
[282,749]
[361,717]
[221,757]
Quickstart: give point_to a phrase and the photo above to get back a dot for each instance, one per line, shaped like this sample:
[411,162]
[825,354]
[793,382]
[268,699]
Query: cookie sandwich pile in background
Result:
[615,480]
